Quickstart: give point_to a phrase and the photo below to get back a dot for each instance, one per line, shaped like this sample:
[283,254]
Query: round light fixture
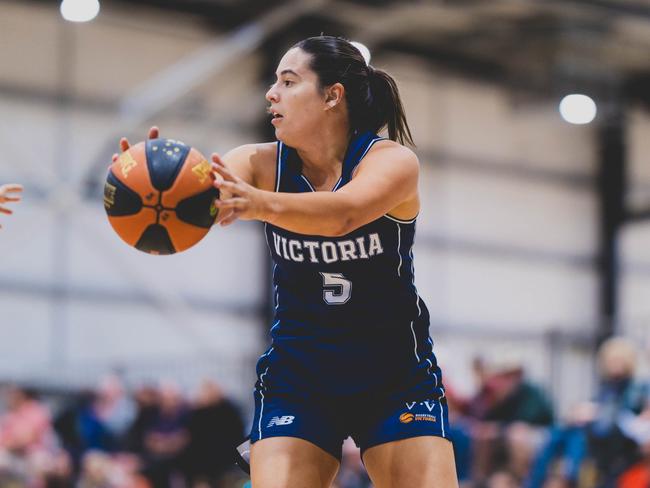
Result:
[578,109]
[79,10]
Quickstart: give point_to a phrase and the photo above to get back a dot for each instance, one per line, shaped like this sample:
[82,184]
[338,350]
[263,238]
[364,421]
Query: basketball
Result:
[159,196]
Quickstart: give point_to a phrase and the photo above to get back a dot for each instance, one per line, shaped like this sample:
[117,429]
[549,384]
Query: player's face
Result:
[296,101]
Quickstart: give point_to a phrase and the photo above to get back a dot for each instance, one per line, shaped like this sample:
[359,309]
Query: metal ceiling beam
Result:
[607,7]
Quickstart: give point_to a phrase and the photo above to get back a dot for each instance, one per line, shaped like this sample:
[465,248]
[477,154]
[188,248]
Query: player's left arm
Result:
[9,193]
[386,178]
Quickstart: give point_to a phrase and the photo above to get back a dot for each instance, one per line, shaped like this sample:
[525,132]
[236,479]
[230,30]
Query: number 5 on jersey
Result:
[336,288]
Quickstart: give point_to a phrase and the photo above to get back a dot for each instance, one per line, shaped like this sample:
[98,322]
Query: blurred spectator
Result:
[29,455]
[115,410]
[166,438]
[502,479]
[352,474]
[514,414]
[102,470]
[460,434]
[215,430]
[81,427]
[637,428]
[26,426]
[146,401]
[593,431]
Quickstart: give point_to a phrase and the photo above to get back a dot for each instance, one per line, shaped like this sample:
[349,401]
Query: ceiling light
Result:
[578,109]
[79,10]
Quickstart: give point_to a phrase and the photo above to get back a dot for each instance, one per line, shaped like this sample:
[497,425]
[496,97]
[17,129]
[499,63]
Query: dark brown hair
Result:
[371,94]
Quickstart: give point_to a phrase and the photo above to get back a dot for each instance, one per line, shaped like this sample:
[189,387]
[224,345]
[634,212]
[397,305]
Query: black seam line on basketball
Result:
[155,207]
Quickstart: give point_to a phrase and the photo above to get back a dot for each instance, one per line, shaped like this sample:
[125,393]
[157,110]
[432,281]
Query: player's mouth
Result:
[277,116]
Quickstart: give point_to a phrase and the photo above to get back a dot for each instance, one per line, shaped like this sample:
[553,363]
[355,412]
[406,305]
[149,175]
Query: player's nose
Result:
[272,95]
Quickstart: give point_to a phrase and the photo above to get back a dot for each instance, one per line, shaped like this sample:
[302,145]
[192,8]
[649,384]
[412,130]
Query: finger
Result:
[217,159]
[223,215]
[228,186]
[231,218]
[5,211]
[12,199]
[216,178]
[115,157]
[154,133]
[124,144]
[233,203]
[224,172]
[11,188]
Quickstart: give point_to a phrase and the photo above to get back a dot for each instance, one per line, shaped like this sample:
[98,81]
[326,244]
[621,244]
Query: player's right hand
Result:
[154,133]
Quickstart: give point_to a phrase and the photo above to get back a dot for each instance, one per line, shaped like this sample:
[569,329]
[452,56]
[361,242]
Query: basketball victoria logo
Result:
[298,251]
[284,420]
[408,417]
[201,170]
[127,163]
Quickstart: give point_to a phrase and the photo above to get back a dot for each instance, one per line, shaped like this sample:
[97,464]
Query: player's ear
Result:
[334,95]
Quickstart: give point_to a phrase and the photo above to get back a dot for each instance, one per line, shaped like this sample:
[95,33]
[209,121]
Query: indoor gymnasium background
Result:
[533,242]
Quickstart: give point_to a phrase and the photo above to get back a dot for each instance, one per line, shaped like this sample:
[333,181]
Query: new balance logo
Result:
[284,420]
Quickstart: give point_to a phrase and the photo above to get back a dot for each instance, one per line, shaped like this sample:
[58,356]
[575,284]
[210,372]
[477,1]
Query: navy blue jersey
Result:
[348,318]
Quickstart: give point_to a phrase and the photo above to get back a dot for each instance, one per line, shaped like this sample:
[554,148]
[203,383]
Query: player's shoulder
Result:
[254,153]
[391,152]
[394,149]
[256,163]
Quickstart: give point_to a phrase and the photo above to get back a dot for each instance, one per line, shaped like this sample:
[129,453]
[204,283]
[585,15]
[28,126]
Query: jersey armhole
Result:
[372,143]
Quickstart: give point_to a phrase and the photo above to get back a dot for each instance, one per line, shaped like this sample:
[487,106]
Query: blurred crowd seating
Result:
[505,435]
[108,438]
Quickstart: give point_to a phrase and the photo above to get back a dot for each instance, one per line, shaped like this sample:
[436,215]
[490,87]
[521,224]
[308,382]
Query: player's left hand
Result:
[237,199]
[8,194]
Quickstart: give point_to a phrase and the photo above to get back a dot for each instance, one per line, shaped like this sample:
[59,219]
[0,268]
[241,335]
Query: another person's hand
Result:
[9,193]
[237,199]
[154,133]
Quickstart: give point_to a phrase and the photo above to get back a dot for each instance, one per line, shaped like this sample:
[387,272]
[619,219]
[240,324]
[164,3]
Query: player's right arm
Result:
[253,163]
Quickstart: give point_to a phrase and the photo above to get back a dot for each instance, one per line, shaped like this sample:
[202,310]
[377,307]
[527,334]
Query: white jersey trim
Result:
[278,167]
[364,154]
[400,221]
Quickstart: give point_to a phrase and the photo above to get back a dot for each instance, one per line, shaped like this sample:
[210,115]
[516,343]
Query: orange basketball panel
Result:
[131,227]
[182,235]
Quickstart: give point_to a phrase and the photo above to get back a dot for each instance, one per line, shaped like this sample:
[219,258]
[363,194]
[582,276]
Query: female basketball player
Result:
[351,353]
[6,192]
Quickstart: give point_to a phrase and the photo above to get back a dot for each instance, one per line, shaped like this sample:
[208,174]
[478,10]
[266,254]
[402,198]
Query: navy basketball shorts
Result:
[369,419]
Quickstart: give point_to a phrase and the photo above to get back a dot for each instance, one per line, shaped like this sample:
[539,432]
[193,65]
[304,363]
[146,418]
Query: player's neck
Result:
[326,151]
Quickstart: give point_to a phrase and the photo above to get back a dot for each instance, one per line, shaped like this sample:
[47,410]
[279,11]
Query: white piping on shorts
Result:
[259,423]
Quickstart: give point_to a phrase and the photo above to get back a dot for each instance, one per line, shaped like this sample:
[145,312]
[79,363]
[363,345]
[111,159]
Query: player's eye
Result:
[287,82]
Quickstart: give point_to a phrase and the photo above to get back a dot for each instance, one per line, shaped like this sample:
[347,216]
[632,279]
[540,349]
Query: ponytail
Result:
[386,107]
[371,94]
